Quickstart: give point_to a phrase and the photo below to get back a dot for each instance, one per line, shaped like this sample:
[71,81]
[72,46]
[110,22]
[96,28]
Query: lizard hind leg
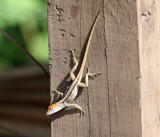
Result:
[84,85]
[88,75]
[58,92]
[75,66]
[75,106]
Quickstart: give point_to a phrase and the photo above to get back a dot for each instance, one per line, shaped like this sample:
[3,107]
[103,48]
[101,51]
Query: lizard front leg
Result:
[75,66]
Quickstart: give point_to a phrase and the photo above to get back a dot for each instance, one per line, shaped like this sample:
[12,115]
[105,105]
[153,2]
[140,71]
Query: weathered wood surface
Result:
[24,97]
[111,102]
[149,47]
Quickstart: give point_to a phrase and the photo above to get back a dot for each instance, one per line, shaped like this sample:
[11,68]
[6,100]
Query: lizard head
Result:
[55,108]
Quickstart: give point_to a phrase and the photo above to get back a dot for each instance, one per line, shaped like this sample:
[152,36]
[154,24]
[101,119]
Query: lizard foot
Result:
[93,75]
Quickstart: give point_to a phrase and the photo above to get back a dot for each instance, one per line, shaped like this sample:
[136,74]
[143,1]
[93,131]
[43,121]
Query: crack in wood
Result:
[89,115]
[107,79]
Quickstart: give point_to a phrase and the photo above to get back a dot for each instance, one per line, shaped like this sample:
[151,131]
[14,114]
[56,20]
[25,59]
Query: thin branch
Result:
[25,51]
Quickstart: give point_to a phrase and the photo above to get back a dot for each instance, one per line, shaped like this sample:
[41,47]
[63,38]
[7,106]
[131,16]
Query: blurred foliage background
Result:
[25,21]
[24,96]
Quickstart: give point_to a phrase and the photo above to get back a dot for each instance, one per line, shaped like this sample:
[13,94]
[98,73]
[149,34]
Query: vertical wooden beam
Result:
[69,24]
[149,41]
[116,102]
[121,39]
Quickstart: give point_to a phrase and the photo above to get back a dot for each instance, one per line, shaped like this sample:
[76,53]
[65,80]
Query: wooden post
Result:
[149,52]
[124,47]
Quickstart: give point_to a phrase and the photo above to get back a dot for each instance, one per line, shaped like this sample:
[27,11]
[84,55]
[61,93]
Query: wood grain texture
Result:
[149,32]
[123,68]
[111,101]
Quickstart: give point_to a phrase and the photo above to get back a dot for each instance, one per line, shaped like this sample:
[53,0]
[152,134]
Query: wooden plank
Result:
[121,33]
[24,96]
[149,24]
[111,101]
[21,128]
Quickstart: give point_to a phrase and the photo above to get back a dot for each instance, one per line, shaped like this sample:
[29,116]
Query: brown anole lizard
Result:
[73,89]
